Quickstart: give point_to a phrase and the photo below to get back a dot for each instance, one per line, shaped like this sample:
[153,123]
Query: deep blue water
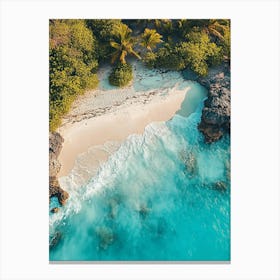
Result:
[160,197]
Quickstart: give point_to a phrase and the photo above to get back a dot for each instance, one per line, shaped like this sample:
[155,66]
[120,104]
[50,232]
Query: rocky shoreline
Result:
[55,146]
[215,119]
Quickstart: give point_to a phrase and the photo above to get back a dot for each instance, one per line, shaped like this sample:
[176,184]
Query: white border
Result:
[255,138]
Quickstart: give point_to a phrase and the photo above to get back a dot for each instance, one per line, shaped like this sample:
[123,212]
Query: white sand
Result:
[83,131]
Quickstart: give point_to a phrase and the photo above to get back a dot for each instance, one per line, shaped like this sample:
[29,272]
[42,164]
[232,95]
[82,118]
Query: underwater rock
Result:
[113,206]
[106,237]
[220,186]
[55,210]
[144,211]
[161,226]
[215,119]
[189,161]
[227,168]
[55,239]
[228,174]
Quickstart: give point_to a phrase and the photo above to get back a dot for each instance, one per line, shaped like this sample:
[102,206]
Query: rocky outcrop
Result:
[215,119]
[55,145]
[56,190]
[55,210]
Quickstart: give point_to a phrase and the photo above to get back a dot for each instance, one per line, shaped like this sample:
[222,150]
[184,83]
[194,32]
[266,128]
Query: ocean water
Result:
[162,196]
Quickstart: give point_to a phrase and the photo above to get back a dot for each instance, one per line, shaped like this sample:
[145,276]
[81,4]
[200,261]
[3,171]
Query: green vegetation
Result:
[78,47]
[150,38]
[72,65]
[123,44]
[121,75]
[104,31]
[197,52]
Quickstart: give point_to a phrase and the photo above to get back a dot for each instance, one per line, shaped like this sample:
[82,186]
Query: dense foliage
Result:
[121,75]
[197,52]
[77,47]
[104,31]
[73,65]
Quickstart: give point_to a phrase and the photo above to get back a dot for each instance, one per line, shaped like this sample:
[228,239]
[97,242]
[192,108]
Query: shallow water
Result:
[160,196]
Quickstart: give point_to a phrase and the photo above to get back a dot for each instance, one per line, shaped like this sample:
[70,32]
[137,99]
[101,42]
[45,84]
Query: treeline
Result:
[77,47]
[72,65]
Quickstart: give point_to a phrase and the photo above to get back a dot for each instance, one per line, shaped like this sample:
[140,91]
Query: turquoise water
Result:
[160,197]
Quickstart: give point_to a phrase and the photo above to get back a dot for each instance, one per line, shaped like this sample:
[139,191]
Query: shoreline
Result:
[114,123]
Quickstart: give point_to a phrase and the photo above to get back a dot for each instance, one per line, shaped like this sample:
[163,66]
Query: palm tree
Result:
[150,38]
[216,28]
[123,44]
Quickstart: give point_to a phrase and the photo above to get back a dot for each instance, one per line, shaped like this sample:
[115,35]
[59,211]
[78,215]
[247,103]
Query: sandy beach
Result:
[115,123]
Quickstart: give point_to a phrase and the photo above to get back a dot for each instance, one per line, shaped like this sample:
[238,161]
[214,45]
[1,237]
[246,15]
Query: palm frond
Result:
[115,45]
[135,54]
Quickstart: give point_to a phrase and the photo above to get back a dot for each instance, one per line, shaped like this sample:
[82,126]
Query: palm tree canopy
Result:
[150,38]
[216,27]
[123,44]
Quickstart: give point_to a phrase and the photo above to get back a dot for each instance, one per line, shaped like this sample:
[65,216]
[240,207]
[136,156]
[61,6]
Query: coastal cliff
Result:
[215,119]
[55,145]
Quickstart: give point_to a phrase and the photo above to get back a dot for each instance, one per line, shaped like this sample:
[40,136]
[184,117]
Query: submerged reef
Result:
[106,237]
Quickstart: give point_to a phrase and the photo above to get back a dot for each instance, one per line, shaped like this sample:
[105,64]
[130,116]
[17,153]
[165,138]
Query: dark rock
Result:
[144,211]
[55,146]
[56,190]
[215,119]
[211,132]
[190,162]
[54,165]
[55,210]
[55,239]
[55,143]
[161,226]
[220,186]
[106,237]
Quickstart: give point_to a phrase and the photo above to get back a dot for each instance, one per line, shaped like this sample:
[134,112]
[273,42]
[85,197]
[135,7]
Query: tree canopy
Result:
[72,65]
[78,47]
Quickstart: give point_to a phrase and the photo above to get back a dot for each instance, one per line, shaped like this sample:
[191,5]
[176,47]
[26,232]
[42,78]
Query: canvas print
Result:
[139,140]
